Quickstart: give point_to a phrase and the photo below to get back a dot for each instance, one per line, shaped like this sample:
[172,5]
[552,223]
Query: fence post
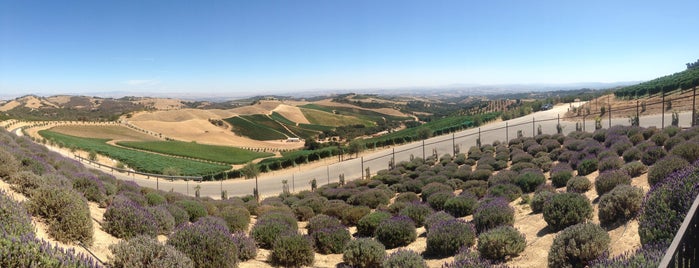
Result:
[327,168]
[610,115]
[507,133]
[662,121]
[423,149]
[453,147]
[479,135]
[694,108]
[394,154]
[362,159]
[533,130]
[293,182]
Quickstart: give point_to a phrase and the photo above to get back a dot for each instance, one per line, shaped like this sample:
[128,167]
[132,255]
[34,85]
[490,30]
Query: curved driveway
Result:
[271,183]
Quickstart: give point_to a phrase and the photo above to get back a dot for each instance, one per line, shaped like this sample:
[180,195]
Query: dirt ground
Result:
[680,101]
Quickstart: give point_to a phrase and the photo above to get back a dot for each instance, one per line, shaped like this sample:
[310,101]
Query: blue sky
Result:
[255,47]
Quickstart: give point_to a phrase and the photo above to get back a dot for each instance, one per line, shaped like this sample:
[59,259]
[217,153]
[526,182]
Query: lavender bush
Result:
[566,209]
[208,245]
[397,231]
[493,213]
[404,259]
[367,224]
[606,181]
[445,238]
[666,204]
[66,211]
[143,251]
[417,212]
[364,253]
[501,242]
[247,249]
[578,245]
[292,251]
[125,219]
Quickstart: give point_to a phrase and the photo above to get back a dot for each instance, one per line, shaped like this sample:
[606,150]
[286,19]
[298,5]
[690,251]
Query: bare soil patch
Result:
[292,113]
[119,133]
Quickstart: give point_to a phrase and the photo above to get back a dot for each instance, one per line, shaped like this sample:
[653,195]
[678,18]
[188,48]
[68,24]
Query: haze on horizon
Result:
[262,47]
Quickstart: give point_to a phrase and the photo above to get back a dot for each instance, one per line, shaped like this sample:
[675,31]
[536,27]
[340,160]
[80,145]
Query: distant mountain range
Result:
[449,90]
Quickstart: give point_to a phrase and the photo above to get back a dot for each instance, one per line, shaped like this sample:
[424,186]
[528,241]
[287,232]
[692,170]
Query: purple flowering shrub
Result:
[560,174]
[417,212]
[395,232]
[687,150]
[653,154]
[247,249]
[67,213]
[646,256]
[292,250]
[445,238]
[165,220]
[331,240]
[125,219]
[665,167]
[91,187]
[587,166]
[632,154]
[364,253]
[370,198]
[435,218]
[195,209]
[462,205]
[493,213]
[621,203]
[237,218]
[501,242]
[566,209]
[19,246]
[179,214]
[529,179]
[635,169]
[578,245]
[267,230]
[468,258]
[353,214]
[404,258]
[143,251]
[207,244]
[578,184]
[367,224]
[666,204]
[155,199]
[606,181]
[610,163]
[540,198]
[437,200]
[505,190]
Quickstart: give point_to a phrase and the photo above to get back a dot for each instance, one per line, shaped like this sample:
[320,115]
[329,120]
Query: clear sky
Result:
[256,47]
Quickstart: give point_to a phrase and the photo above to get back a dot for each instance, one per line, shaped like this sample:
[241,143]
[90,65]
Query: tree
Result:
[424,133]
[171,171]
[356,147]
[250,170]
[92,156]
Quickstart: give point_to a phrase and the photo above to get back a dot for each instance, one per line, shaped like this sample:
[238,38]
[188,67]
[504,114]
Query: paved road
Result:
[271,183]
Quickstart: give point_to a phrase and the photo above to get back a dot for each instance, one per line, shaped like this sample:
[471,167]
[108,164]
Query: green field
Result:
[224,154]
[140,161]
[319,117]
